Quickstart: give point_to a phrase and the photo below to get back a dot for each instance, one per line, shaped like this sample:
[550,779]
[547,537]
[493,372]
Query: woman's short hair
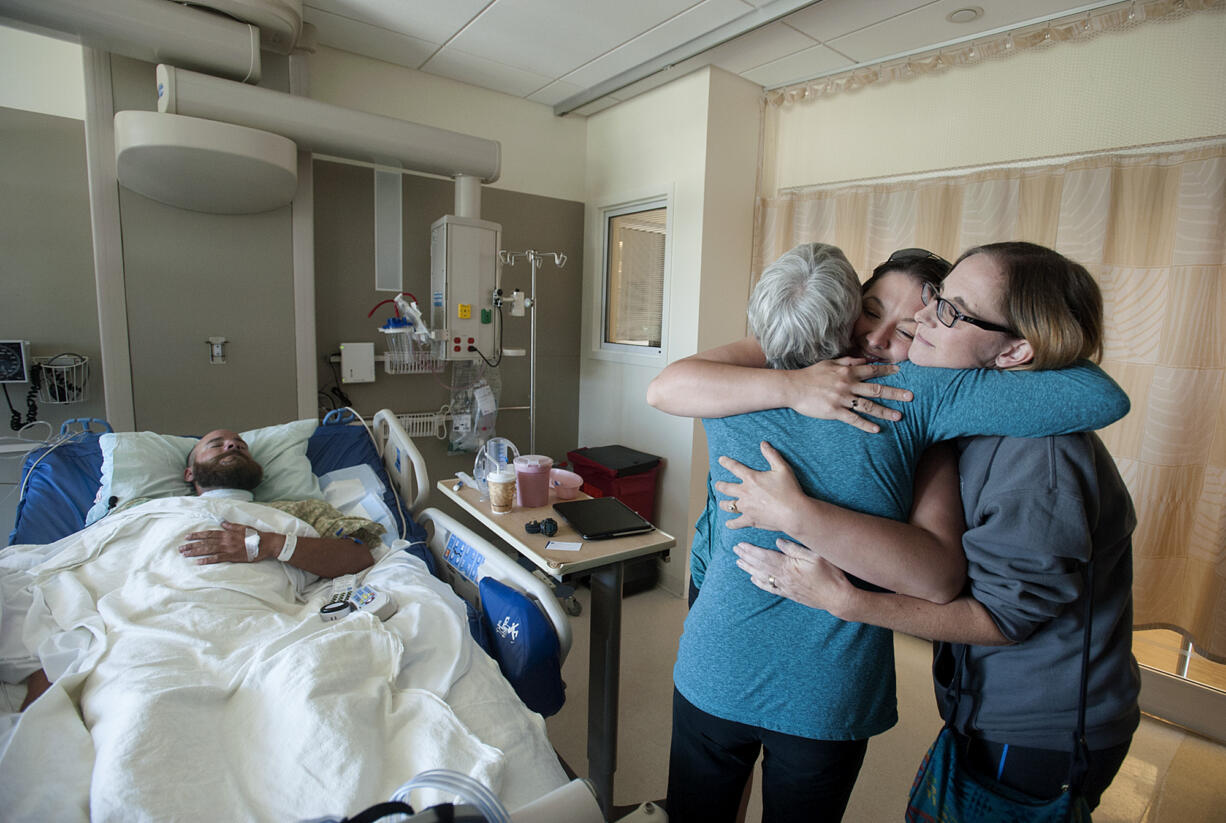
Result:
[922,265]
[1051,301]
[803,307]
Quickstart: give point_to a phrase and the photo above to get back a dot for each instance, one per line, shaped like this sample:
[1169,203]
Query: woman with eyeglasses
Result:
[1040,514]
[760,673]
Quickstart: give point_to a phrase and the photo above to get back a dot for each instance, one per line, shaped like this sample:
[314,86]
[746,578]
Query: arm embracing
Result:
[731,379]
[1081,397]
[922,558]
[734,379]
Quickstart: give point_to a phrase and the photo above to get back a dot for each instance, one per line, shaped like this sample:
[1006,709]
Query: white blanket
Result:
[187,692]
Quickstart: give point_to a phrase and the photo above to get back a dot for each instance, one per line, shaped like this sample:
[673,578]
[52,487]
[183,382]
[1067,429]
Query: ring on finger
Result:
[732,506]
[770,581]
[855,402]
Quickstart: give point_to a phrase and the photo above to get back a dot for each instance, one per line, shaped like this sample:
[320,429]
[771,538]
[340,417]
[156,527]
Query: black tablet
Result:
[601,518]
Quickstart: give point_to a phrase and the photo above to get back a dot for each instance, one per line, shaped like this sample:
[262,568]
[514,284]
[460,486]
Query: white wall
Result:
[1155,83]
[41,74]
[696,140]
[541,153]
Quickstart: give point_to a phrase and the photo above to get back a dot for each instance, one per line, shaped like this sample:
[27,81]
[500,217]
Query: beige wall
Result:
[40,74]
[541,153]
[1155,83]
[695,140]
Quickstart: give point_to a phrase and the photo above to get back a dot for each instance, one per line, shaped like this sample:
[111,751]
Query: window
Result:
[635,252]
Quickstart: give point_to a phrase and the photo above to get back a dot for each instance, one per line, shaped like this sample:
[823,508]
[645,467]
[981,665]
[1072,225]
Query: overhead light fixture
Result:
[966,15]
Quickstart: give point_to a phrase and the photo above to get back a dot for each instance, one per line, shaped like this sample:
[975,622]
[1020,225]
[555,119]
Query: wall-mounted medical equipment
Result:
[204,165]
[463,277]
[158,31]
[14,361]
[411,348]
[328,129]
[357,362]
[63,379]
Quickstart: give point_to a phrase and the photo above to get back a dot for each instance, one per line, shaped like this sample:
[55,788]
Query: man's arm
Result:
[922,558]
[733,379]
[322,556]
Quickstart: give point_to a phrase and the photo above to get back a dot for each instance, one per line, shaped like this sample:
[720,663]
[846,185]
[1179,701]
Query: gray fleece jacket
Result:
[1035,510]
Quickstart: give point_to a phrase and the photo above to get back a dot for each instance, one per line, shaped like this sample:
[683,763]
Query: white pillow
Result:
[147,464]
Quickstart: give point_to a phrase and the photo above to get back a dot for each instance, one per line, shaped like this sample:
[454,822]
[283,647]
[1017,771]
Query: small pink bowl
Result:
[564,484]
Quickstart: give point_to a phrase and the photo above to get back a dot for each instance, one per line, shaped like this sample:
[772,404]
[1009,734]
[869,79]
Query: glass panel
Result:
[634,291]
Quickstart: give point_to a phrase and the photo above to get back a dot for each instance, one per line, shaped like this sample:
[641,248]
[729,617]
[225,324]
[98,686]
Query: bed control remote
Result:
[366,599]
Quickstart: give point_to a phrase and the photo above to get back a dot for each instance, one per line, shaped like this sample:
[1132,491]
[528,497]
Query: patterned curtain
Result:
[1151,228]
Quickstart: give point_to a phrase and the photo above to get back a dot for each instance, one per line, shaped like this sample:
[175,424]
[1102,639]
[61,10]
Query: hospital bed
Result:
[314,718]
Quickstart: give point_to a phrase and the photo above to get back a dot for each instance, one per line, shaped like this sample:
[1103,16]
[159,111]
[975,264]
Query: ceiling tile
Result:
[927,26]
[795,68]
[361,38]
[677,31]
[488,74]
[436,22]
[758,47]
[555,93]
[834,18]
[554,38]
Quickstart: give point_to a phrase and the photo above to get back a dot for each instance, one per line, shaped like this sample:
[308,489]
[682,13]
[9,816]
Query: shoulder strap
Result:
[1080,764]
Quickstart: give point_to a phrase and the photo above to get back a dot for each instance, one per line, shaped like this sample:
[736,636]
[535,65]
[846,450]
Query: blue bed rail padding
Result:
[60,483]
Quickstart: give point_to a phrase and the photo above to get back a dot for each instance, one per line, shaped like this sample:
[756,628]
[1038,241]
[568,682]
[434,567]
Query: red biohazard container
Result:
[617,471]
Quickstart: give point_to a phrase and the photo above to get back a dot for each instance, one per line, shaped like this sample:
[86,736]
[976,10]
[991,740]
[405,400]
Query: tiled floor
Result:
[1169,776]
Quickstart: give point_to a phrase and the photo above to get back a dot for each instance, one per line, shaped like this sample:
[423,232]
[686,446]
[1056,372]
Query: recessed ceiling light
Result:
[965,15]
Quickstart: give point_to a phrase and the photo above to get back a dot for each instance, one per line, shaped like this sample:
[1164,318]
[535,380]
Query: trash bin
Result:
[630,476]
[617,471]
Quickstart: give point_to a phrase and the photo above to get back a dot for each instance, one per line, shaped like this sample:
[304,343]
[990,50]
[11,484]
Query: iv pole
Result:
[534,258]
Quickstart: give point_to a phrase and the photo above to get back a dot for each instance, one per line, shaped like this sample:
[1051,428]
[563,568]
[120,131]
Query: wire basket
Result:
[426,424]
[63,379]
[405,356]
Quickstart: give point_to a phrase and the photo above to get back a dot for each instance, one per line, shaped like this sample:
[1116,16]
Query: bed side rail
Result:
[482,559]
[405,465]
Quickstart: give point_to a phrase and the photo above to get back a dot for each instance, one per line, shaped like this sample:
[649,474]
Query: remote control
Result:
[338,605]
[366,599]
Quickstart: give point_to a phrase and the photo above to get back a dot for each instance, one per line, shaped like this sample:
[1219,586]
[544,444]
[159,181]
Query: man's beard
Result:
[243,473]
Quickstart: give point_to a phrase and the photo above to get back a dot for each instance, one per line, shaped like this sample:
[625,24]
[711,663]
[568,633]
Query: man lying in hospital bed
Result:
[189,676]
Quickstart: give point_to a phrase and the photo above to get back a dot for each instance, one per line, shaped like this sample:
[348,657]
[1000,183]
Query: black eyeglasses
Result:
[948,313]
[905,255]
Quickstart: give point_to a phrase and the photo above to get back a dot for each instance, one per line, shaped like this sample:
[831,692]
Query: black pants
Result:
[1041,773]
[711,760]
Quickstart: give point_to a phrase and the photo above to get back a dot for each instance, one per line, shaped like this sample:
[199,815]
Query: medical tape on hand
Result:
[252,542]
[287,551]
